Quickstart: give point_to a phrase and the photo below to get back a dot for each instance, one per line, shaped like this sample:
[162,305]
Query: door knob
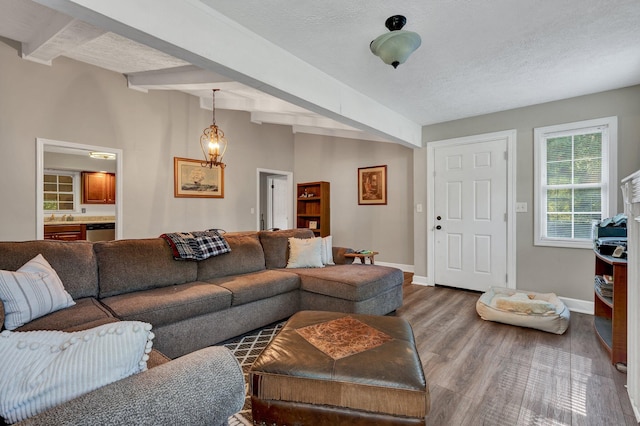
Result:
[439,217]
[438,227]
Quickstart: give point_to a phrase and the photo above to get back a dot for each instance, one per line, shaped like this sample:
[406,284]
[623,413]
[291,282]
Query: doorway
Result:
[275,199]
[471,237]
[48,145]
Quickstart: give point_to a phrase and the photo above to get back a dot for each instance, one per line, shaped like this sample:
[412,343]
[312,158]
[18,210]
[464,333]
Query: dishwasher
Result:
[101,231]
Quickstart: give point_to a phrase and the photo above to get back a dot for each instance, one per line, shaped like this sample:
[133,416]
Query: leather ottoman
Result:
[329,368]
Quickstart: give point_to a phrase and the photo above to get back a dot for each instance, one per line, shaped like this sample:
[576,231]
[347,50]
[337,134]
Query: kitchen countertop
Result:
[78,220]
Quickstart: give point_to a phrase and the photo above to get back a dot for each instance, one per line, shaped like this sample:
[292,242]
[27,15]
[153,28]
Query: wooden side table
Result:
[363,256]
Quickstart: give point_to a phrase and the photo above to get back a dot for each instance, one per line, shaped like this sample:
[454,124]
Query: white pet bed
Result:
[542,311]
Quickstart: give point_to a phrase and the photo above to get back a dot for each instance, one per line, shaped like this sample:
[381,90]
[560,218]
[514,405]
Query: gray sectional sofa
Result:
[192,305]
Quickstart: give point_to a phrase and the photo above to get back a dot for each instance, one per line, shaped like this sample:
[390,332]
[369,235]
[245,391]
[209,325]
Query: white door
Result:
[470,214]
[277,202]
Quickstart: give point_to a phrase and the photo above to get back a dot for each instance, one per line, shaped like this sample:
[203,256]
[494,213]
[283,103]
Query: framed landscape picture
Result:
[372,185]
[191,179]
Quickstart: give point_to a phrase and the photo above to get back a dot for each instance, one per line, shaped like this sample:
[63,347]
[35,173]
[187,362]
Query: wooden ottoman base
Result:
[328,368]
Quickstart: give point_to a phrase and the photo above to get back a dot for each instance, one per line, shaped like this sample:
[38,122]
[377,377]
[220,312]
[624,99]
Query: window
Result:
[59,191]
[575,180]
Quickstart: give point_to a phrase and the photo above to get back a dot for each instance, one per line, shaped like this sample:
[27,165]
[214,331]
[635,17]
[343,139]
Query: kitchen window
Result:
[575,180]
[60,191]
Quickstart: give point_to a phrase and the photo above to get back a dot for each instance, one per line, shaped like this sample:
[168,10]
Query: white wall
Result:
[384,228]
[567,272]
[74,102]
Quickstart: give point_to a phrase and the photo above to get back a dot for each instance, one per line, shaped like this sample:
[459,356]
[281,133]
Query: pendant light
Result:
[213,142]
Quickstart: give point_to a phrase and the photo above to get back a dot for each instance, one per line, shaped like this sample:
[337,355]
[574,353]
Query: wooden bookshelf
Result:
[610,313]
[313,207]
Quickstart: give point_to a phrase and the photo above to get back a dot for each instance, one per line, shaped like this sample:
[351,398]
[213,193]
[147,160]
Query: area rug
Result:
[246,349]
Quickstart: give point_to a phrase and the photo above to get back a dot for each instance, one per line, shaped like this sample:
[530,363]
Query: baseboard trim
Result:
[577,305]
[419,280]
[404,268]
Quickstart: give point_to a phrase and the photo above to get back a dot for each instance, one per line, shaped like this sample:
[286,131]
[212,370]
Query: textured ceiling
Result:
[476,57]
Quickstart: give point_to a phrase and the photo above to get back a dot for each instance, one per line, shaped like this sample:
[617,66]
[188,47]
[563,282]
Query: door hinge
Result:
[506,278]
[506,155]
[505,217]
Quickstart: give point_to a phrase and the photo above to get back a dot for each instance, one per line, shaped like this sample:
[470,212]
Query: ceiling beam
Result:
[211,41]
[338,133]
[61,34]
[311,120]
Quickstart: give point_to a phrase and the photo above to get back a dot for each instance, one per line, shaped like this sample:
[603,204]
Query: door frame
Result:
[510,136]
[269,172]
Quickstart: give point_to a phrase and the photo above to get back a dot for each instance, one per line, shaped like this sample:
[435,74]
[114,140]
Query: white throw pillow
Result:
[305,253]
[327,250]
[32,291]
[42,369]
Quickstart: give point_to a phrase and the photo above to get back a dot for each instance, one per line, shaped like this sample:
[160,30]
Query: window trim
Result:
[76,190]
[609,169]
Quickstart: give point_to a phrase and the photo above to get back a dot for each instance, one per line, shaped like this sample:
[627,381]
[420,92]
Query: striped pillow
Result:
[32,291]
[42,369]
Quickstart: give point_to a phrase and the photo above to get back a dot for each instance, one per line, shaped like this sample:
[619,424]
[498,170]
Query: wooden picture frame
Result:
[313,224]
[372,185]
[191,179]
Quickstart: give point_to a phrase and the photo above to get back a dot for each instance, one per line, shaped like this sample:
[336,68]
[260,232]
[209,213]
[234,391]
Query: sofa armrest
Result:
[338,255]
[201,388]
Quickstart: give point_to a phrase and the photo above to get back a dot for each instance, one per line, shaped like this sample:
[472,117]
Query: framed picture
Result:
[191,179]
[313,224]
[372,185]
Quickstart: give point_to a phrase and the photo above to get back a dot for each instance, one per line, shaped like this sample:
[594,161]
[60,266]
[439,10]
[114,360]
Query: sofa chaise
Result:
[191,305]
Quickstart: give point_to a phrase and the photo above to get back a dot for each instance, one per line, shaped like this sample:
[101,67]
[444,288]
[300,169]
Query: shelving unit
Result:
[610,313]
[312,205]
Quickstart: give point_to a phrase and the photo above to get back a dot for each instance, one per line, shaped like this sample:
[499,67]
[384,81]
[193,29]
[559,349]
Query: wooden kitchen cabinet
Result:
[65,232]
[98,188]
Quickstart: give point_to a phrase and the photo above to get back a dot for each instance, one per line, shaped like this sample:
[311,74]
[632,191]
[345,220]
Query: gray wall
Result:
[384,228]
[74,102]
[567,272]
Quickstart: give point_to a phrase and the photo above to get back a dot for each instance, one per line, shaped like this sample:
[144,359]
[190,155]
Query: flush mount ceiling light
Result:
[395,47]
[102,155]
[213,142]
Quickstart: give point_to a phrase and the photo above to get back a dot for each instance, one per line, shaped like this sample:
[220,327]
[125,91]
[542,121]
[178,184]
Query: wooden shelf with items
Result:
[313,207]
[610,313]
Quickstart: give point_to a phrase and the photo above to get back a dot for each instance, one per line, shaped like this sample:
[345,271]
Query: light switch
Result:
[521,207]
[419,208]
[253,210]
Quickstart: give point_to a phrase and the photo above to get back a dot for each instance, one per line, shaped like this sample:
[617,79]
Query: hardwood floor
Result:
[486,373]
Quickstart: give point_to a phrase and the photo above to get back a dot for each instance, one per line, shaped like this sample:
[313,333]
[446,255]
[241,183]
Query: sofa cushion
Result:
[86,310]
[41,369]
[276,245]
[246,256]
[73,261]
[258,285]
[30,292]
[327,250]
[168,305]
[132,265]
[305,253]
[350,282]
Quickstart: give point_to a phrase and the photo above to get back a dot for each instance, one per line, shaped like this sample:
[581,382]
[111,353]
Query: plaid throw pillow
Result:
[197,245]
